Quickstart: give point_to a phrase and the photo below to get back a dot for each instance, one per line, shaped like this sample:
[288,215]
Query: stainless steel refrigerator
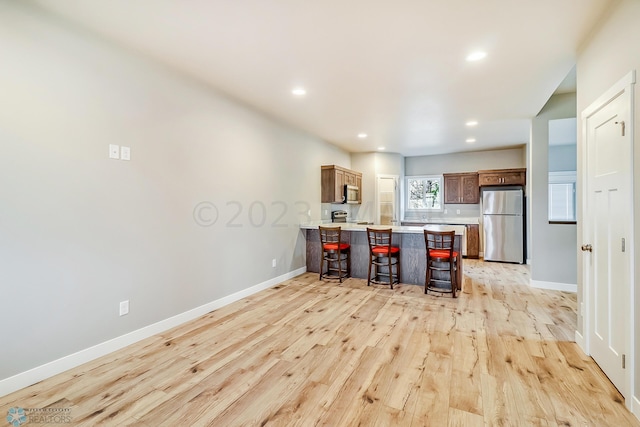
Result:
[503,223]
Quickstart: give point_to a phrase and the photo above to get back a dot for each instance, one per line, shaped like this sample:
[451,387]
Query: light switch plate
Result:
[114,151]
[124,307]
[125,153]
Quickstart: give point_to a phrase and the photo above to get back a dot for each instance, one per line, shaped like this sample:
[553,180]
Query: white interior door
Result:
[607,235]
[387,200]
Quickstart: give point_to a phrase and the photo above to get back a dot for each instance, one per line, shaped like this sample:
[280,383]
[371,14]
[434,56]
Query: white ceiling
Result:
[395,70]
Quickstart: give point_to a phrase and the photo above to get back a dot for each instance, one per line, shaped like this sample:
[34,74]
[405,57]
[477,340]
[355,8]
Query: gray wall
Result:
[80,232]
[389,164]
[553,246]
[612,52]
[371,165]
[563,158]
[465,162]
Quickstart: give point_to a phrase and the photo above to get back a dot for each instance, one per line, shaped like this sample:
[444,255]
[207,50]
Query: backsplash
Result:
[327,208]
[366,212]
[362,212]
[450,211]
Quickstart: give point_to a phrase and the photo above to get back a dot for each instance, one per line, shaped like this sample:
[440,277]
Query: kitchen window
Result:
[424,193]
[562,197]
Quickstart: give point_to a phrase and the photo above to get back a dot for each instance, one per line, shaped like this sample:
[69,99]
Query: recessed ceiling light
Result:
[380,148]
[476,56]
[299,91]
[472,123]
[362,135]
[470,140]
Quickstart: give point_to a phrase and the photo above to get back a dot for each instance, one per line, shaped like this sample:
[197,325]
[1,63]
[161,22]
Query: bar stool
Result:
[334,253]
[382,256]
[441,258]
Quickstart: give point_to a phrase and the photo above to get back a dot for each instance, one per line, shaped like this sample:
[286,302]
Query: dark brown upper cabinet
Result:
[461,188]
[333,179]
[503,177]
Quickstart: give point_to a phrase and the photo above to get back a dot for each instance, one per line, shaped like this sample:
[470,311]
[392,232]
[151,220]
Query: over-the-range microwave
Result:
[351,194]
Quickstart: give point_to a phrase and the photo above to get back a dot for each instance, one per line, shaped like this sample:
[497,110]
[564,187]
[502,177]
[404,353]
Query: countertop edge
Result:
[446,221]
[394,228]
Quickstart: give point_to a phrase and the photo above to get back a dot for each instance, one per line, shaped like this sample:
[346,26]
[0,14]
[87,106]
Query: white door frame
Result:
[624,84]
[396,201]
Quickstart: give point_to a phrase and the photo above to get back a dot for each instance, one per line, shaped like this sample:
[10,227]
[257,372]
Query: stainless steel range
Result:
[339,216]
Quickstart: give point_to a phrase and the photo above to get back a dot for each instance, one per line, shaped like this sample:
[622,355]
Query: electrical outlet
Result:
[273,263]
[124,307]
[114,151]
[457,211]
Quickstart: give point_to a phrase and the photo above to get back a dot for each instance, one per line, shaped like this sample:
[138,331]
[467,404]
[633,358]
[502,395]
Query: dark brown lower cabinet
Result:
[473,241]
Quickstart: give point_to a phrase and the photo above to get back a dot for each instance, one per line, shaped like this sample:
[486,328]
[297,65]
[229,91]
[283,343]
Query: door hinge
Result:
[623,244]
[624,357]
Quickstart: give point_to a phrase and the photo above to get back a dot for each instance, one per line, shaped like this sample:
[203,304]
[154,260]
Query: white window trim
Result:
[562,177]
[424,177]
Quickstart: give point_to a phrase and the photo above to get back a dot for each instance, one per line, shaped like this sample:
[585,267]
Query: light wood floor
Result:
[307,352]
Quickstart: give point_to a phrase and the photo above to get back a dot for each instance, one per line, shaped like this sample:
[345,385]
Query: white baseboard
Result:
[635,407]
[554,286]
[580,341]
[528,262]
[39,373]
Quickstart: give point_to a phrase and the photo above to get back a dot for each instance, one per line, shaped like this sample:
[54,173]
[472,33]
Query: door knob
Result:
[586,248]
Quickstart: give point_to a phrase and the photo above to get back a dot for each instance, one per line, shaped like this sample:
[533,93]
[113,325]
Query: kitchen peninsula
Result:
[409,239]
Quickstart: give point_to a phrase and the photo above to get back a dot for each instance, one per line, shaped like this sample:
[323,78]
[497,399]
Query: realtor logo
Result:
[16,416]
